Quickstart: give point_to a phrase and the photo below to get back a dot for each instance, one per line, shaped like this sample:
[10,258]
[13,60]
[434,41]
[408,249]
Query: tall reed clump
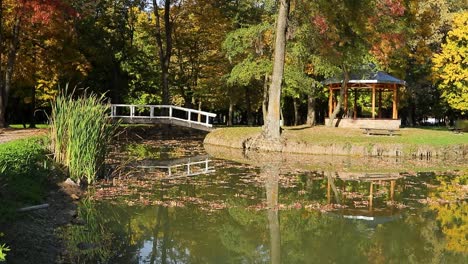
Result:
[80,134]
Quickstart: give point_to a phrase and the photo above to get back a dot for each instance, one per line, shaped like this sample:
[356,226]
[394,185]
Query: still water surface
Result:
[179,205]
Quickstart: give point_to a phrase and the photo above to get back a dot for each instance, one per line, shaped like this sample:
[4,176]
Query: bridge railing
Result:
[162,112]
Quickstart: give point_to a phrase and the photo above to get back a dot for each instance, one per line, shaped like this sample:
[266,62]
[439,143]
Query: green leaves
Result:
[248,70]
[3,249]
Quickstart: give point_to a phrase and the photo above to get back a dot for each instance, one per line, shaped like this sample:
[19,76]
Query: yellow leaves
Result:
[47,89]
[82,68]
[450,69]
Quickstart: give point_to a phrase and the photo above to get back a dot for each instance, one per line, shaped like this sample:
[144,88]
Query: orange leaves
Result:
[320,23]
[43,11]
[387,43]
[392,7]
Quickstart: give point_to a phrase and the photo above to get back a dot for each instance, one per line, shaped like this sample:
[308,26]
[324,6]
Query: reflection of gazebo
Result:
[377,83]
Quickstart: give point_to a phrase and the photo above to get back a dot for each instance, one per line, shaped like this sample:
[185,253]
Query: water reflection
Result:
[174,168]
[272,213]
[270,174]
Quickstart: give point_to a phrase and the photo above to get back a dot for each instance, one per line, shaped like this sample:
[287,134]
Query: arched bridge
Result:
[163,114]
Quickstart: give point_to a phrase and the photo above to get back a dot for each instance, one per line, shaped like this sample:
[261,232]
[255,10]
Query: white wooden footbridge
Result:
[163,114]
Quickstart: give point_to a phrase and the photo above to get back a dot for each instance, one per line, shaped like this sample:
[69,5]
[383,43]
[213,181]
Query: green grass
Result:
[408,136]
[322,135]
[20,126]
[24,169]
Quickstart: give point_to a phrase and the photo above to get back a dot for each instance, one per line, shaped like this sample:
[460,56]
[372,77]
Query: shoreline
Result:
[350,143]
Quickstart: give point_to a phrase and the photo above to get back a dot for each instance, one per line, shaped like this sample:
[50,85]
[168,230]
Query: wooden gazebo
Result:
[377,84]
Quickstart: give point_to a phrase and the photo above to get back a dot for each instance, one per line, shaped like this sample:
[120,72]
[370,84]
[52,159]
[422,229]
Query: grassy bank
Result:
[23,178]
[347,141]
[24,170]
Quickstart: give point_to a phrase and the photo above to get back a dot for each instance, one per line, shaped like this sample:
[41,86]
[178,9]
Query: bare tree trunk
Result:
[248,106]
[164,50]
[2,87]
[32,124]
[271,129]
[199,109]
[311,101]
[230,114]
[3,123]
[341,97]
[10,66]
[296,112]
[265,97]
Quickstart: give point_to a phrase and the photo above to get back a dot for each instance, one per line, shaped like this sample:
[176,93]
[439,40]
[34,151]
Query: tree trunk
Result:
[230,114]
[2,87]
[164,50]
[199,109]
[271,129]
[265,97]
[339,104]
[311,101]
[32,124]
[296,111]
[10,66]
[248,106]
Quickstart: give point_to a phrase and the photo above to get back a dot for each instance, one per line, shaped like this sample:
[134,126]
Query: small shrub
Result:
[80,134]
[3,249]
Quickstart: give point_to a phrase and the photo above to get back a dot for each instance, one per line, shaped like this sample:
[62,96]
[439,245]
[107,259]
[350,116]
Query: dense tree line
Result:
[219,55]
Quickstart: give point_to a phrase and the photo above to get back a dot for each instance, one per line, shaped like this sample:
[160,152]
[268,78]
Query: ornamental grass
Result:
[80,132]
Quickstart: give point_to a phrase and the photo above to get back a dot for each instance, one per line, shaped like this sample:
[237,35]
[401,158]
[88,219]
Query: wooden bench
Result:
[380,131]
[456,130]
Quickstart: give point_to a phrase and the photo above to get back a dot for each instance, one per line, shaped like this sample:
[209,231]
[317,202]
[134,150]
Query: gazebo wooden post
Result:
[380,103]
[355,103]
[330,102]
[373,101]
[395,102]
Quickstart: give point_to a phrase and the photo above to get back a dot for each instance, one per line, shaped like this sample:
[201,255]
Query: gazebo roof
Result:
[368,77]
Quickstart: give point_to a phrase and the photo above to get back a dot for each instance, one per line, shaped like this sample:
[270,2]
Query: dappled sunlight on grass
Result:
[326,135]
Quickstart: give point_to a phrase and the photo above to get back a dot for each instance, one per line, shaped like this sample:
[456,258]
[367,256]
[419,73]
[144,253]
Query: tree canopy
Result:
[451,65]
[219,55]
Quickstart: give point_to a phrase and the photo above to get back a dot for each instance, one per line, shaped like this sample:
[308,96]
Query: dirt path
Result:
[9,134]
[35,237]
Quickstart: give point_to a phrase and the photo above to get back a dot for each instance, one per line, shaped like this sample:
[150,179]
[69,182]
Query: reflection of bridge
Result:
[182,167]
[162,114]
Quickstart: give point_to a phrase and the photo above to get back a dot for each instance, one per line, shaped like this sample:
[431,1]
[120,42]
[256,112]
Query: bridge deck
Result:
[163,114]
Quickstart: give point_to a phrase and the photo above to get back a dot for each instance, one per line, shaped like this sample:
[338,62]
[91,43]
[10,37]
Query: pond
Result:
[171,202]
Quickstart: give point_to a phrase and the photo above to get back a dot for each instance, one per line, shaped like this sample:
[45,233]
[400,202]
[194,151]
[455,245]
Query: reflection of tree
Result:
[247,231]
[452,213]
[90,242]
[271,175]
[433,234]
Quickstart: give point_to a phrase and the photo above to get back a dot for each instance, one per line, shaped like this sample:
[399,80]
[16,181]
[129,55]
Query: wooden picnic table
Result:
[456,130]
[380,131]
